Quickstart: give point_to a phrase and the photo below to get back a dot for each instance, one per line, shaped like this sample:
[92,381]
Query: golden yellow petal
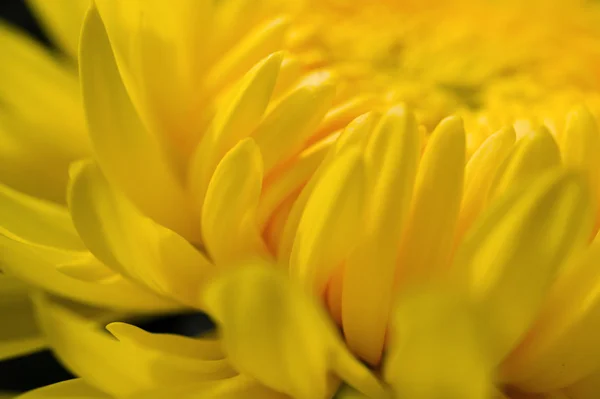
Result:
[70,389]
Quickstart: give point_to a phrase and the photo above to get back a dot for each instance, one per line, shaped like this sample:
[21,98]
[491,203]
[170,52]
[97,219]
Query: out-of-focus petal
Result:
[128,154]
[274,332]
[511,256]
[19,334]
[437,348]
[63,20]
[71,389]
[37,141]
[71,274]
[126,365]
[391,159]
[131,243]
[36,220]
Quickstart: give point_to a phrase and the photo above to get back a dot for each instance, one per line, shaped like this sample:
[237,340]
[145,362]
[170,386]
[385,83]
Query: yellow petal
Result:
[234,121]
[71,389]
[289,124]
[62,20]
[274,332]
[19,334]
[479,174]
[331,221]
[128,154]
[437,348]
[42,267]
[236,387]
[38,142]
[122,366]
[427,242]
[586,388]
[512,254]
[391,159]
[533,154]
[36,220]
[344,113]
[354,136]
[130,243]
[229,225]
[562,346]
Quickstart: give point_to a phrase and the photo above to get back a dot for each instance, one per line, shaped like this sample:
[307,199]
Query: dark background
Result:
[33,371]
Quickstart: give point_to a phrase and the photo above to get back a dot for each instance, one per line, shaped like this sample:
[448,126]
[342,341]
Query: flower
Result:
[274,181]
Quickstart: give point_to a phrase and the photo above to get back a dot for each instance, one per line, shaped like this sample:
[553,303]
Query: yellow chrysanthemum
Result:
[250,159]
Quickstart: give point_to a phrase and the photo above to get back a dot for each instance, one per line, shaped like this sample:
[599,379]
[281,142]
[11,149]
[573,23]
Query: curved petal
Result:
[428,238]
[513,253]
[437,348]
[36,220]
[20,333]
[43,267]
[37,142]
[71,389]
[274,332]
[126,365]
[392,156]
[128,154]
[63,20]
[229,228]
[129,242]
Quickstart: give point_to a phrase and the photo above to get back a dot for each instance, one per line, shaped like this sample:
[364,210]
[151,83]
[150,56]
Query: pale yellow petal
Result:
[274,332]
[562,346]
[479,174]
[292,120]
[36,220]
[429,234]
[331,222]
[63,20]
[511,256]
[36,141]
[391,160]
[71,389]
[122,366]
[229,224]
[437,348]
[121,237]
[19,332]
[128,154]
[42,267]
[234,121]
[533,154]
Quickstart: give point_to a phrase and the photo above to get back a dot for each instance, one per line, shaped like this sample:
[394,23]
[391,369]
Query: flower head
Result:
[296,172]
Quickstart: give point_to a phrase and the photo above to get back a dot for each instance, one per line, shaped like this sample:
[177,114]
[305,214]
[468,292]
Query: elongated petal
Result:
[123,366]
[63,20]
[266,321]
[561,347]
[392,156]
[479,174]
[331,221]
[42,267]
[37,142]
[437,348]
[514,251]
[533,154]
[234,121]
[36,220]
[288,126]
[134,245]
[128,154]
[71,389]
[229,213]
[19,334]
[427,242]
